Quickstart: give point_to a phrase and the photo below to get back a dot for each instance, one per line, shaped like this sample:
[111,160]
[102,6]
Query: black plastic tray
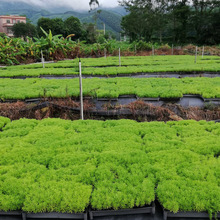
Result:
[186,215]
[19,215]
[143,210]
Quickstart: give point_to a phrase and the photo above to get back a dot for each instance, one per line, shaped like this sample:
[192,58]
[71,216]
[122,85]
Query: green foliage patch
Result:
[109,88]
[3,121]
[65,166]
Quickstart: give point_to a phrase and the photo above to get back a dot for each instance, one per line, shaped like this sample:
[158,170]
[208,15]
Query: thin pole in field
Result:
[203,51]
[42,58]
[81,91]
[196,54]
[172,49]
[105,52]
[119,55]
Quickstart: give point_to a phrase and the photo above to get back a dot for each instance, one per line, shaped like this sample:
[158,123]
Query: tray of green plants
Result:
[109,88]
[111,71]
[63,166]
[128,61]
[130,65]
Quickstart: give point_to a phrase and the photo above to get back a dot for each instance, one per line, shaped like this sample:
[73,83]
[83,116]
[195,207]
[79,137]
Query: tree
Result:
[179,13]
[145,18]
[178,21]
[24,30]
[56,25]
[73,26]
[89,33]
[204,21]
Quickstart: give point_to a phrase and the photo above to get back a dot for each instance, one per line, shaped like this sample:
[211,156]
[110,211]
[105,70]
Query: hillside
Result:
[110,16]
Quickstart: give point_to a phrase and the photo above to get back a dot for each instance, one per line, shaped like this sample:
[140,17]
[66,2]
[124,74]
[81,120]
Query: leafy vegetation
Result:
[16,50]
[109,88]
[126,165]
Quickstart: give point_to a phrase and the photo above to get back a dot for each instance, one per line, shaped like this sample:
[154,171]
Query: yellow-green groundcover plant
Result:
[66,166]
[110,88]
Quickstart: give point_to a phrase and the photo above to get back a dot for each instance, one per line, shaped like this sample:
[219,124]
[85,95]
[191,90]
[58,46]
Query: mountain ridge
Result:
[110,16]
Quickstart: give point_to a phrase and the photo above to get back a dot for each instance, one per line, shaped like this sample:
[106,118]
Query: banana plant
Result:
[51,43]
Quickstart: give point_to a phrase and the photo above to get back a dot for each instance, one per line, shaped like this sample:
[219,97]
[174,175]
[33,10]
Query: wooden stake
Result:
[81,91]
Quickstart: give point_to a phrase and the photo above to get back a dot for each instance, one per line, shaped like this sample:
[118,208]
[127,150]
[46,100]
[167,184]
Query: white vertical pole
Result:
[105,52]
[203,51]
[119,55]
[81,91]
[196,54]
[42,58]
[172,49]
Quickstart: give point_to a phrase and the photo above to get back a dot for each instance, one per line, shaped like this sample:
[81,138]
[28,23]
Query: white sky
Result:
[72,4]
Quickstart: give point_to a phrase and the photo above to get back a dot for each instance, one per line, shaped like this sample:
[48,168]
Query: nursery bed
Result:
[112,88]
[55,165]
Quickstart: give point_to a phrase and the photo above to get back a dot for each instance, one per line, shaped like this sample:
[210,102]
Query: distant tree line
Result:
[173,21]
[58,26]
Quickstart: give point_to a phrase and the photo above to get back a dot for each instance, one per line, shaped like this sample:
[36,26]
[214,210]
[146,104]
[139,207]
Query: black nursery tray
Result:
[144,210]
[19,215]
[11,215]
[187,215]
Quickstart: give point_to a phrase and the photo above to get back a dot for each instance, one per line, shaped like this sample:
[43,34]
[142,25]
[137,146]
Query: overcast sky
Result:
[72,4]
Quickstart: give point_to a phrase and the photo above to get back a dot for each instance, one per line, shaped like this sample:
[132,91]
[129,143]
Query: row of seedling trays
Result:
[149,212]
